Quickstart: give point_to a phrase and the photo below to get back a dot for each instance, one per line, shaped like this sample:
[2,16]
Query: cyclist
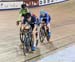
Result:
[21,17]
[22,13]
[31,20]
[45,18]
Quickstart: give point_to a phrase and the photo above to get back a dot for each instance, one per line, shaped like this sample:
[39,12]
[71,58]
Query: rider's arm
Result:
[20,15]
[40,19]
[27,10]
[19,18]
[22,12]
[48,18]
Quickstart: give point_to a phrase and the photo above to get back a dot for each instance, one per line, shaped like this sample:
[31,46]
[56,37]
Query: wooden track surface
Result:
[62,27]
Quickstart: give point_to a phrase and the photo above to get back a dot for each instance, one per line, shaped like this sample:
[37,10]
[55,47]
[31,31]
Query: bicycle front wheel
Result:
[42,35]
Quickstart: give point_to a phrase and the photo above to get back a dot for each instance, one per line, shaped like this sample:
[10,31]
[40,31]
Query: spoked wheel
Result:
[42,35]
[21,36]
[24,49]
[27,42]
[26,46]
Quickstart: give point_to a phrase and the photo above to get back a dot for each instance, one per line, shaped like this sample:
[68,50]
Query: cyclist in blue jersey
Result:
[45,18]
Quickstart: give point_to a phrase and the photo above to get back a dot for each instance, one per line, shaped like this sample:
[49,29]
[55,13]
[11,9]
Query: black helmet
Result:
[23,6]
[28,15]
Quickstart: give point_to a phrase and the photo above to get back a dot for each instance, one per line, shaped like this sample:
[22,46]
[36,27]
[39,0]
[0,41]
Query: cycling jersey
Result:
[46,17]
[32,23]
[22,13]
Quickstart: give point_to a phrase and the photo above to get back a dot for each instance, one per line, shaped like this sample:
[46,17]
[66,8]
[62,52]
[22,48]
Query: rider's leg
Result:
[34,39]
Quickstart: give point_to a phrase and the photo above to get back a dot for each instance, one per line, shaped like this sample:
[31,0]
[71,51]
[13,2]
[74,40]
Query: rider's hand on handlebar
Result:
[17,23]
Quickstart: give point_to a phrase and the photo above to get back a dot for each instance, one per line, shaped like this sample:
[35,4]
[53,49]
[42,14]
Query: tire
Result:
[24,49]
[42,35]
[21,36]
[27,42]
